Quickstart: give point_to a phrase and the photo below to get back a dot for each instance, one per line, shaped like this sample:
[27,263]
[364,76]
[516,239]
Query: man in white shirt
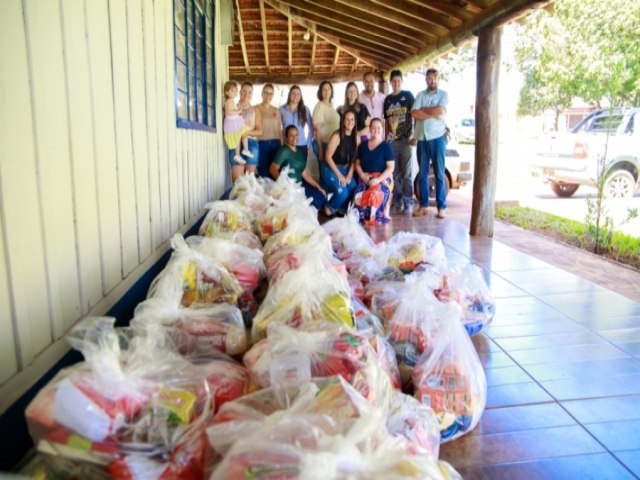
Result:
[371,98]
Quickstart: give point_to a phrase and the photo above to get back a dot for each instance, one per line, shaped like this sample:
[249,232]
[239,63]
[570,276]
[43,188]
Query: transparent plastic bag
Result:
[313,292]
[191,277]
[290,356]
[349,238]
[276,218]
[416,422]
[131,411]
[203,330]
[226,216]
[450,379]
[407,250]
[467,287]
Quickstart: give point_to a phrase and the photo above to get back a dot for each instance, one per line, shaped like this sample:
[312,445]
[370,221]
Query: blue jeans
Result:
[402,174]
[432,152]
[342,195]
[268,150]
[253,148]
[318,199]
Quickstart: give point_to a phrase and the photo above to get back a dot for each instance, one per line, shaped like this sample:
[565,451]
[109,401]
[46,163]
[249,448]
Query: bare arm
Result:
[334,141]
[387,173]
[257,127]
[307,177]
[424,113]
[274,170]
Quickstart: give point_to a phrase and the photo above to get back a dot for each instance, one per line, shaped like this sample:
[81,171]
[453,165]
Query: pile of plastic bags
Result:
[273,347]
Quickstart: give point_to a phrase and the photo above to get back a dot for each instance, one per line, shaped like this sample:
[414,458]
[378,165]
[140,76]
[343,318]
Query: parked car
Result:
[457,171]
[465,130]
[607,142]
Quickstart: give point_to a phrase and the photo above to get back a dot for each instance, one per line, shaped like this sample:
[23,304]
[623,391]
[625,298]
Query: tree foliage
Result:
[579,49]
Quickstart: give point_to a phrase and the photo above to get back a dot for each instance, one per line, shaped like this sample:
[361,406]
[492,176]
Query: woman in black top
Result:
[336,171]
[352,102]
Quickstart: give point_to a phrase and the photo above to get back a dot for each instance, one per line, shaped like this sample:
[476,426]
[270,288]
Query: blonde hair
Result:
[228,86]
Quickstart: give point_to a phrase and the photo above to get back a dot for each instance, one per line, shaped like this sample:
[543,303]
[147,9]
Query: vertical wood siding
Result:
[94,175]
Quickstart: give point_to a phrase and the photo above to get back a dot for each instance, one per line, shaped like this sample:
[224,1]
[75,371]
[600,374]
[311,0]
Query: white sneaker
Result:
[239,159]
[247,153]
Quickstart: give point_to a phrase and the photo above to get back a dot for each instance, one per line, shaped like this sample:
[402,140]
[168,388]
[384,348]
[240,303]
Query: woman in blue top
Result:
[336,172]
[294,112]
[374,166]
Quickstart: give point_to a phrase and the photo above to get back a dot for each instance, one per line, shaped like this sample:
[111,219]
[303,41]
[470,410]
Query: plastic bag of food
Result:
[207,329]
[251,191]
[383,298]
[246,264]
[407,250]
[135,412]
[276,218]
[228,380]
[288,355]
[191,277]
[287,189]
[226,216]
[365,320]
[416,422]
[416,321]
[467,287]
[299,232]
[349,238]
[312,292]
[449,378]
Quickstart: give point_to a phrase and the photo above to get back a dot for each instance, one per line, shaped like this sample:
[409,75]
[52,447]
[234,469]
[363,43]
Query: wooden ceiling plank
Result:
[499,13]
[353,39]
[369,60]
[440,24]
[403,20]
[348,16]
[339,25]
[243,46]
[459,13]
[264,35]
[355,64]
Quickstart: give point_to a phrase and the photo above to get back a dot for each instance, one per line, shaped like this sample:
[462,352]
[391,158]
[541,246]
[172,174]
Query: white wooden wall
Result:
[94,175]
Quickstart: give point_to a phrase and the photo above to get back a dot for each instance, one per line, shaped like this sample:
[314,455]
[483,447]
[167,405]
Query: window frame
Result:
[198,38]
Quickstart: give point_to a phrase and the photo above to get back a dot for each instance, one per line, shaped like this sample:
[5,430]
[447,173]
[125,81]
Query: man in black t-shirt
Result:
[399,125]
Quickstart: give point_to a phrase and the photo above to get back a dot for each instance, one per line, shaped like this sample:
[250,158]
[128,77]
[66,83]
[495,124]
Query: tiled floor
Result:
[562,358]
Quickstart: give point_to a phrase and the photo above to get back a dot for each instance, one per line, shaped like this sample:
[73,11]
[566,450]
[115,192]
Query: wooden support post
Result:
[486,148]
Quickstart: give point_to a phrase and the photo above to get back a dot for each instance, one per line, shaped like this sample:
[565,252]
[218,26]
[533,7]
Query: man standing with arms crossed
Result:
[429,109]
[371,98]
[399,124]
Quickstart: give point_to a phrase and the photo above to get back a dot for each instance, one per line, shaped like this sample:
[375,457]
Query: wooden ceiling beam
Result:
[457,12]
[369,24]
[313,53]
[440,24]
[360,42]
[264,34]
[302,78]
[290,34]
[335,60]
[338,24]
[499,13]
[242,44]
[369,60]
[403,20]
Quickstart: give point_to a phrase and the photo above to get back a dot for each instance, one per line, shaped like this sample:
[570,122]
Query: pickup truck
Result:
[607,142]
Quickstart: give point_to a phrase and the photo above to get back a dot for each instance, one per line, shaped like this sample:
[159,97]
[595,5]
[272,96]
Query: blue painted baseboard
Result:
[15,441]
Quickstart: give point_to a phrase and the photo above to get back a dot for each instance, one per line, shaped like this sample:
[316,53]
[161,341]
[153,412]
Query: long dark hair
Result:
[352,138]
[301,110]
[356,105]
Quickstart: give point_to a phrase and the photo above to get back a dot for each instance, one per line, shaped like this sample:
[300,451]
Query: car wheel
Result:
[620,184]
[564,190]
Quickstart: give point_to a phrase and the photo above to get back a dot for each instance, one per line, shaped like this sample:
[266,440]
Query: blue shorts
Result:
[253,148]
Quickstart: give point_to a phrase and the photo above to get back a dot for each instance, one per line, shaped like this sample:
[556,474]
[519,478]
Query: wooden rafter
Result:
[368,24]
[290,35]
[328,38]
[456,12]
[264,35]
[242,43]
[335,60]
[440,24]
[340,23]
[313,53]
[355,64]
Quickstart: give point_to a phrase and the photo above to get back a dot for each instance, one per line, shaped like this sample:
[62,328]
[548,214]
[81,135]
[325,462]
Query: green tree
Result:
[579,48]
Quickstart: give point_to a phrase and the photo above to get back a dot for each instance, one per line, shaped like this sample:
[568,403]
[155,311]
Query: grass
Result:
[623,248]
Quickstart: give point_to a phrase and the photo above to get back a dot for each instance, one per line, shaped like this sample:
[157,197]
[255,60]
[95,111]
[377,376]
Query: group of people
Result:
[359,163]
